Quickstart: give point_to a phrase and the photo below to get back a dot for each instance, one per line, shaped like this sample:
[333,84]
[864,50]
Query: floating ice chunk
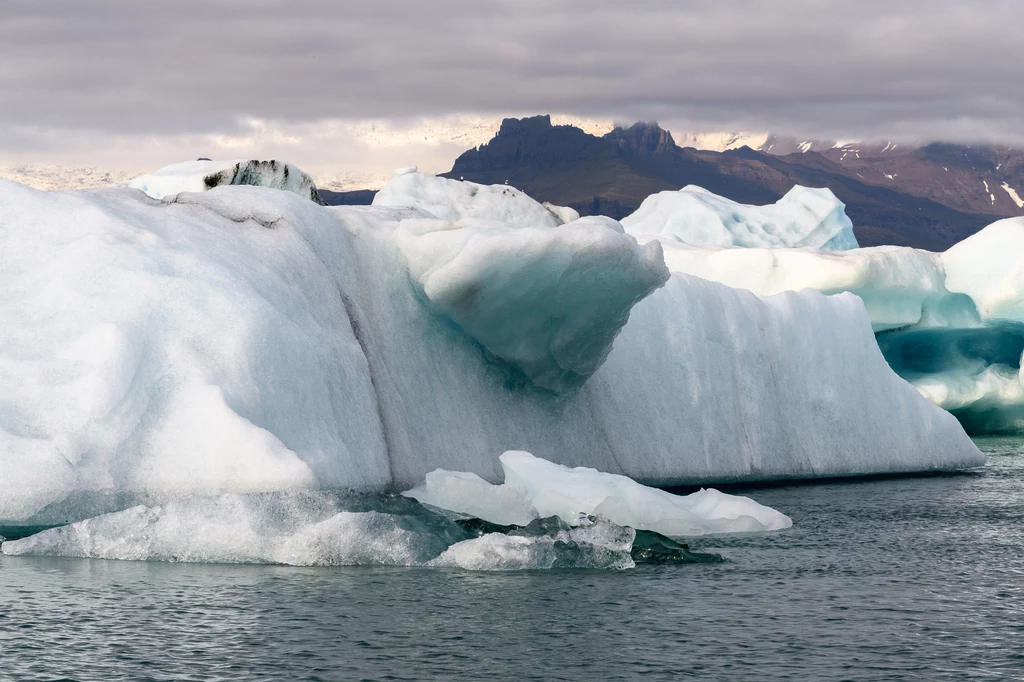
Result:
[455,200]
[598,545]
[173,349]
[556,490]
[535,488]
[199,176]
[803,217]
[467,493]
[548,302]
[302,529]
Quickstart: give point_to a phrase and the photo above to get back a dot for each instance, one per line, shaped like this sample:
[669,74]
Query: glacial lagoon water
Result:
[913,578]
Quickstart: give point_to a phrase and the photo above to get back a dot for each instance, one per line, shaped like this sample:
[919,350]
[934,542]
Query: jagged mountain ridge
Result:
[613,173]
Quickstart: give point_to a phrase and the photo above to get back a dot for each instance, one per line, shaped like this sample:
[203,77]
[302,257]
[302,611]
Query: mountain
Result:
[612,174]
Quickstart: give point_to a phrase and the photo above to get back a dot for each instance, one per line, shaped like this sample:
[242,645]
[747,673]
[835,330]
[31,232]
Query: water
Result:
[898,579]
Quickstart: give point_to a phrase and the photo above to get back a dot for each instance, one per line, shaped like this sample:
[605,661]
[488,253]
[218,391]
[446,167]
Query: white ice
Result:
[310,528]
[601,545]
[464,492]
[547,301]
[243,339]
[300,528]
[454,200]
[803,217]
[537,488]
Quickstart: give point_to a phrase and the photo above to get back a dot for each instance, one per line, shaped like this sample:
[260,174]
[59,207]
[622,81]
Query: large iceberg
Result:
[804,217]
[244,340]
[950,323]
[455,200]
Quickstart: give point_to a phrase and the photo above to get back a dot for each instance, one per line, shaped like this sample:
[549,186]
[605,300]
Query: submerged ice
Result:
[319,528]
[244,340]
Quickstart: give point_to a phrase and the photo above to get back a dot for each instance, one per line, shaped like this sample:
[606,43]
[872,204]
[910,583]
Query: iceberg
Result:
[535,488]
[804,217]
[242,340]
[304,528]
[205,174]
[319,528]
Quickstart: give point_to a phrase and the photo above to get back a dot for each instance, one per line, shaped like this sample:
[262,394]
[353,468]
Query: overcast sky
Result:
[142,83]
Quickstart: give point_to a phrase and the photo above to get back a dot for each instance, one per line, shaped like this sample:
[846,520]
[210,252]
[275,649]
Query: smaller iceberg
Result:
[204,174]
[805,216]
[536,488]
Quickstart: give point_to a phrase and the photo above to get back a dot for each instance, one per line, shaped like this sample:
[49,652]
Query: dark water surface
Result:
[899,579]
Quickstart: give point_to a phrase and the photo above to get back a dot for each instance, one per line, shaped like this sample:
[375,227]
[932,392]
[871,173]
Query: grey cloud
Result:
[922,68]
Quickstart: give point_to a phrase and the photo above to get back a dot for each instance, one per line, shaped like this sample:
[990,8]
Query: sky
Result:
[366,85]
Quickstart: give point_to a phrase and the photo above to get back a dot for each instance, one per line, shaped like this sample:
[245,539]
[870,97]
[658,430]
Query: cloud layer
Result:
[89,76]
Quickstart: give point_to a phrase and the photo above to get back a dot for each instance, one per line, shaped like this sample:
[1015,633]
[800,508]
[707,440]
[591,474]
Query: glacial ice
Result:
[600,545]
[535,488]
[245,340]
[202,175]
[311,528]
[952,323]
[455,200]
[804,217]
[989,268]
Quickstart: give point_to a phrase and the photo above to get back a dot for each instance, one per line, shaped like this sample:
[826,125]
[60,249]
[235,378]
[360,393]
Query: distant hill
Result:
[614,173]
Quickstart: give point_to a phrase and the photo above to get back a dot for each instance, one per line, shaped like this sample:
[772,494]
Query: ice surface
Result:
[242,339]
[203,175]
[466,493]
[167,348]
[556,490]
[454,200]
[535,488]
[309,528]
[989,267]
[803,217]
[564,213]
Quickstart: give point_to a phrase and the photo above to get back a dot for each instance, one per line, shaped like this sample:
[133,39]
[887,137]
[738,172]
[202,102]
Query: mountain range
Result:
[927,196]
